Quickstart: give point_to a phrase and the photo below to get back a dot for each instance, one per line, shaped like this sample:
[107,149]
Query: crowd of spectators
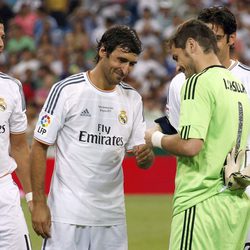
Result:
[48,40]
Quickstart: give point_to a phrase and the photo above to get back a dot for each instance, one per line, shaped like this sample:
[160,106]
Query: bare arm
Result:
[41,219]
[174,144]
[21,153]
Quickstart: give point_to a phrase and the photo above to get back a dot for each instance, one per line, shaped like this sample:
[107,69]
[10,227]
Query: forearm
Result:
[20,152]
[174,144]
[38,170]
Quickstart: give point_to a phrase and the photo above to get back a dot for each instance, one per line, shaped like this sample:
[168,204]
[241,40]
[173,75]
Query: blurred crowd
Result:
[48,40]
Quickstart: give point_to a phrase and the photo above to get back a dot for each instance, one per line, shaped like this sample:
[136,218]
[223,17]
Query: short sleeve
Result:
[52,116]
[139,127]
[18,119]
[196,108]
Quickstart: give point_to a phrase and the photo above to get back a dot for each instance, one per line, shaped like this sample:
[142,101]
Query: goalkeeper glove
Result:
[236,178]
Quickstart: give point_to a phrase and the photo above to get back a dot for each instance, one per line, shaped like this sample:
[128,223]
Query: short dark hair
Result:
[219,16]
[198,31]
[120,36]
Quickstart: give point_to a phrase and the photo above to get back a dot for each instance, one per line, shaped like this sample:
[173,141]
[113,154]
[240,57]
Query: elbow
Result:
[192,148]
[191,152]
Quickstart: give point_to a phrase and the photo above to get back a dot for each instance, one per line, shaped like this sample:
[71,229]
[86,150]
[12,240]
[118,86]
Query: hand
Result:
[149,132]
[144,155]
[41,219]
[234,177]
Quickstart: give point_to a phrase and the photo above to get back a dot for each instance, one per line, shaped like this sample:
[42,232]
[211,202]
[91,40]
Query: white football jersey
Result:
[92,129]
[174,94]
[12,119]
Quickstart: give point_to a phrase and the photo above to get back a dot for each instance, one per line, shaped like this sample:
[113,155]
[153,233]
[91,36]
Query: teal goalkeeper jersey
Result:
[216,109]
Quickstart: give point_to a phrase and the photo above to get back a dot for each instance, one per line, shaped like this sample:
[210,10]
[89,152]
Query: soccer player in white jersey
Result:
[222,21]
[93,118]
[14,156]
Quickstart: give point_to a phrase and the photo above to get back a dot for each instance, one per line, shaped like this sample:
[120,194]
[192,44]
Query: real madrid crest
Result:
[3,105]
[123,117]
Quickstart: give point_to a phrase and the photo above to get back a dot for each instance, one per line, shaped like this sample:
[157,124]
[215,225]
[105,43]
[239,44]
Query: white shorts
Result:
[68,237]
[13,230]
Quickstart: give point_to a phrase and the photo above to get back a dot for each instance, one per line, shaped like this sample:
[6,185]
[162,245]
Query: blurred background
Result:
[48,40]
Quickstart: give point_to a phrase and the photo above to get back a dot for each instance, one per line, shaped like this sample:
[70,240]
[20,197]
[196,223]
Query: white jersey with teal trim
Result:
[92,129]
[12,119]
[174,99]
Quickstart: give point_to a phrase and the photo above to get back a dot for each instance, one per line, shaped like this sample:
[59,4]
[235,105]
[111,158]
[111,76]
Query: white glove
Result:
[235,177]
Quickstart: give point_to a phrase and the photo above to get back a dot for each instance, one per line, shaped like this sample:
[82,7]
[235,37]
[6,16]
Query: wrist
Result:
[29,197]
[156,139]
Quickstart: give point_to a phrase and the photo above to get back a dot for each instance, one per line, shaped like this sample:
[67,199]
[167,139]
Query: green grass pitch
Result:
[148,221]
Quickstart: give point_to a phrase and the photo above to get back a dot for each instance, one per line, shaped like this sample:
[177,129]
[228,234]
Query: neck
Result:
[99,80]
[206,61]
[226,62]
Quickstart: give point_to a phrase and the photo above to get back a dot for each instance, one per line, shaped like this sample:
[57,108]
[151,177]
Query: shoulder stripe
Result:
[190,86]
[244,67]
[22,97]
[7,77]
[126,86]
[188,228]
[20,87]
[185,132]
[53,97]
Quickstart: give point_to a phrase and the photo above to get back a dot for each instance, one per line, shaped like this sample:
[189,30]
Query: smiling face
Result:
[184,62]
[116,66]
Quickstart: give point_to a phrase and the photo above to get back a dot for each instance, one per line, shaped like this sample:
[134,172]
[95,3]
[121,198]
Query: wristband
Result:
[156,139]
[29,197]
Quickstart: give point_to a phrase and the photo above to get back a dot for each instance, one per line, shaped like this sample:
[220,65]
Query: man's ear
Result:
[102,52]
[191,45]
[232,39]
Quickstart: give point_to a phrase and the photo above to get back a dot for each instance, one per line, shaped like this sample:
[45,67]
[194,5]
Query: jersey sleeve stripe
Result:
[187,87]
[7,77]
[22,97]
[57,85]
[53,97]
[191,86]
[126,86]
[244,67]
[185,132]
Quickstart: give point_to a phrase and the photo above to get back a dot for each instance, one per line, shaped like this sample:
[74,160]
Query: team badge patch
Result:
[45,121]
[123,119]
[3,105]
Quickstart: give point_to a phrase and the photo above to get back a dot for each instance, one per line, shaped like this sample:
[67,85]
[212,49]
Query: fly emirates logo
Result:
[102,137]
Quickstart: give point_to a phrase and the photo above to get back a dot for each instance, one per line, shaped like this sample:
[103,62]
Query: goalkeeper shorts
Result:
[220,222]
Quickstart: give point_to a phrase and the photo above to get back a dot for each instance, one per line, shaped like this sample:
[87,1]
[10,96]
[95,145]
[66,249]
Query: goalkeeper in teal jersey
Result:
[214,118]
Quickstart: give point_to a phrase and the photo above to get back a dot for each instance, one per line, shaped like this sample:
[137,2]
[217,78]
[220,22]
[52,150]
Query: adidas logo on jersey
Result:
[85,112]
